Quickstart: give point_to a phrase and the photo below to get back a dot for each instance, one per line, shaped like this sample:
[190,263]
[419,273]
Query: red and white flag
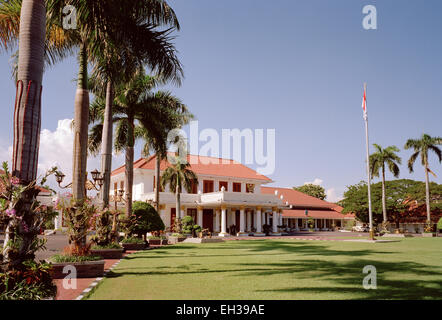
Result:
[364,101]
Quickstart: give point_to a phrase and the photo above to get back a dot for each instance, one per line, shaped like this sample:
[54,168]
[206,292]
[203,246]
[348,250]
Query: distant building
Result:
[230,198]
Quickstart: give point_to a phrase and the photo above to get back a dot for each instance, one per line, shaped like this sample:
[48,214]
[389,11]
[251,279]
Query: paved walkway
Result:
[82,284]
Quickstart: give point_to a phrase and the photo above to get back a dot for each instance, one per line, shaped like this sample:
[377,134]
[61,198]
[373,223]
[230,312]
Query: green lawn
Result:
[279,269]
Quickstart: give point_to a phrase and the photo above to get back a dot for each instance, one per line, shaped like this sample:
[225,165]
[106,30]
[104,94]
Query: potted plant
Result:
[428,230]
[189,228]
[104,242]
[176,237]
[133,243]
[22,219]
[78,216]
[157,238]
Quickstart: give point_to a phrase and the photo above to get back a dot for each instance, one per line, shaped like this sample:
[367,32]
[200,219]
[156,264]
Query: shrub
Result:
[153,237]
[78,215]
[61,258]
[112,245]
[33,282]
[132,240]
[104,236]
[439,224]
[189,226]
[144,219]
[22,217]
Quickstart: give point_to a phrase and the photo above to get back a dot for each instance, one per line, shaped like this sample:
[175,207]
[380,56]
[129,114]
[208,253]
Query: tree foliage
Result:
[146,219]
[312,190]
[403,196]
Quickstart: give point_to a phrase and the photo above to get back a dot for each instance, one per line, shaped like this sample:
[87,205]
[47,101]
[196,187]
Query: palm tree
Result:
[378,161]
[128,29]
[422,146]
[138,113]
[179,176]
[127,57]
[41,40]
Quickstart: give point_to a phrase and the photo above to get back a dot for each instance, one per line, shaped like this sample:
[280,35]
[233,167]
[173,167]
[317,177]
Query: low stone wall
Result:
[87,269]
[108,253]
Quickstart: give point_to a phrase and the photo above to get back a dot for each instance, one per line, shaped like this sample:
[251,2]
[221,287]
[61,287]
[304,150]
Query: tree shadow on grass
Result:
[256,247]
[348,278]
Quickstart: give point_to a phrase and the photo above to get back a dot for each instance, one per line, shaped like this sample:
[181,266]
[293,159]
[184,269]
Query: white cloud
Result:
[316,182]
[6,155]
[55,150]
[332,194]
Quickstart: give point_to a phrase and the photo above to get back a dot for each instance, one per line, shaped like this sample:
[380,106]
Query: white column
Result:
[217,218]
[316,224]
[223,222]
[182,212]
[275,220]
[258,220]
[199,216]
[241,221]
[249,221]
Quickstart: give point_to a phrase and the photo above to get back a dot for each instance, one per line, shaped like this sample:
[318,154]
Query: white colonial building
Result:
[229,198]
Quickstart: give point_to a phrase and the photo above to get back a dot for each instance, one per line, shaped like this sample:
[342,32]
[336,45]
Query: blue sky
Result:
[297,67]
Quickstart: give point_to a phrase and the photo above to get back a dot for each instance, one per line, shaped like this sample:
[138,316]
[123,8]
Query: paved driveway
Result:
[55,244]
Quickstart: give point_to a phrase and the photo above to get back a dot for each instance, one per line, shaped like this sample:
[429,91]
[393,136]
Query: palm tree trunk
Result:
[384,207]
[81,119]
[106,146]
[427,193]
[178,203]
[27,116]
[157,182]
[130,163]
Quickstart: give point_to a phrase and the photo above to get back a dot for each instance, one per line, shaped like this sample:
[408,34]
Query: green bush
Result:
[145,219]
[33,282]
[61,258]
[132,240]
[156,238]
[439,224]
[107,246]
[189,226]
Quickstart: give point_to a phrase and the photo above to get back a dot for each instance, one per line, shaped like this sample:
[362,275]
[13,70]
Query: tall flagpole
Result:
[370,214]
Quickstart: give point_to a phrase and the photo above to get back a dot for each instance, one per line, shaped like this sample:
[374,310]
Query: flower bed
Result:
[133,244]
[85,266]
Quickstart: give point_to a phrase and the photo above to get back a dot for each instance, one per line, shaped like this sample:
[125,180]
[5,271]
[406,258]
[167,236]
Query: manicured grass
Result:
[279,269]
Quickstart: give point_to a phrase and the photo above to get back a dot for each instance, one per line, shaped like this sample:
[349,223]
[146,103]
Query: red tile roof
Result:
[205,166]
[317,214]
[317,208]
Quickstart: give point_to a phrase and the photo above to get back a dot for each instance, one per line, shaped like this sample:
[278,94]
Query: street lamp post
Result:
[97,182]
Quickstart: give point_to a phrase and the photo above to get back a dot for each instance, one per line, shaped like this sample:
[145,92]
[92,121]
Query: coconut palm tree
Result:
[138,113]
[179,176]
[421,147]
[378,161]
[129,30]
[41,40]
[117,63]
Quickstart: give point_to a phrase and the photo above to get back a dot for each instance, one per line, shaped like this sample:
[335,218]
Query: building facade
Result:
[229,199]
